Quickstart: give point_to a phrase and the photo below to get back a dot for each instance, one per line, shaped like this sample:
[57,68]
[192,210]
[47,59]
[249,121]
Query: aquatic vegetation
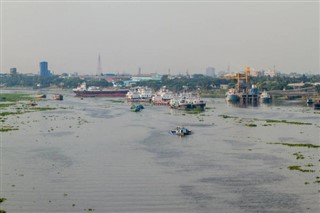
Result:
[195,111]
[227,116]
[44,108]
[4,105]
[287,122]
[14,97]
[298,155]
[7,128]
[9,113]
[298,168]
[297,145]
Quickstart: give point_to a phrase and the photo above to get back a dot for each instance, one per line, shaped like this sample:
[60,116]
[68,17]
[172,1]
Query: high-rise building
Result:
[44,72]
[211,71]
[13,71]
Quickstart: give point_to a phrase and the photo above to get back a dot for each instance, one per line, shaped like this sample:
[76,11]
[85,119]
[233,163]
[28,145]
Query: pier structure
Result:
[246,94]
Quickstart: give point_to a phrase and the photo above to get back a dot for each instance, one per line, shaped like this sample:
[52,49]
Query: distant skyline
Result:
[158,36]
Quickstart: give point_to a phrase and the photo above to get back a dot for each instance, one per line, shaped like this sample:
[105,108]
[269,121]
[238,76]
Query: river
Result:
[95,155]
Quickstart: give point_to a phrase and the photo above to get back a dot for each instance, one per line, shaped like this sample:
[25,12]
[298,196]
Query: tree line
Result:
[194,83]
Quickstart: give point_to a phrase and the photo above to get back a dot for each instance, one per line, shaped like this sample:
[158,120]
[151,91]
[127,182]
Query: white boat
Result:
[265,97]
[187,101]
[139,94]
[163,96]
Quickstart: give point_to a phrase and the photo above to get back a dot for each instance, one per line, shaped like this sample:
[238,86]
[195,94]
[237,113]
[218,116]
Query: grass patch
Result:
[297,145]
[2,199]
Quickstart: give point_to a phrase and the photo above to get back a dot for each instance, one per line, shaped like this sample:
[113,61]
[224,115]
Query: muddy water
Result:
[96,155]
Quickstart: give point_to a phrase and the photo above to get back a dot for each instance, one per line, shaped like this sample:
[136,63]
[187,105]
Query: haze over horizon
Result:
[158,36]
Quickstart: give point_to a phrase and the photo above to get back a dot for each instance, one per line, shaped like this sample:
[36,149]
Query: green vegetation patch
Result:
[2,199]
[297,145]
[9,113]
[195,111]
[43,108]
[251,125]
[7,128]
[298,168]
[4,105]
[298,155]
[14,97]
[287,122]
[227,116]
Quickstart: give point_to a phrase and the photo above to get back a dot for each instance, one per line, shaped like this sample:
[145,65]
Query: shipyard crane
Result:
[242,75]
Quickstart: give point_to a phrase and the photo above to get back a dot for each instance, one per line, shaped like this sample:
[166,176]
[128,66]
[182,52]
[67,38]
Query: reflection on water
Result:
[95,154]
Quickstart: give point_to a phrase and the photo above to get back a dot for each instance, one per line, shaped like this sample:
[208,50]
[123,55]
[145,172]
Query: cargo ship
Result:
[92,91]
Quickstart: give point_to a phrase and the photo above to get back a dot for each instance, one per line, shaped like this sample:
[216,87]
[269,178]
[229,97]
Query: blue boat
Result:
[181,131]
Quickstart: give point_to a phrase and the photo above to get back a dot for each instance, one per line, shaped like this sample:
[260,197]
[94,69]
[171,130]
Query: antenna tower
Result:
[99,66]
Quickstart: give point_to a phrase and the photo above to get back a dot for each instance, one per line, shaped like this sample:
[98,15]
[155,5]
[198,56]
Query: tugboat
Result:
[181,131]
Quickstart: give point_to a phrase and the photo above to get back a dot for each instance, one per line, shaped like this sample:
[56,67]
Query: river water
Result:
[95,155]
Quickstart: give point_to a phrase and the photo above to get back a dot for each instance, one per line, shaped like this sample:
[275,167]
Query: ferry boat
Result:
[163,96]
[186,101]
[139,94]
[93,91]
[181,103]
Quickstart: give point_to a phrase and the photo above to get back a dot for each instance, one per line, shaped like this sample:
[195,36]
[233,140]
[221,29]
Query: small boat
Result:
[58,97]
[316,105]
[265,97]
[181,131]
[309,101]
[136,108]
[40,95]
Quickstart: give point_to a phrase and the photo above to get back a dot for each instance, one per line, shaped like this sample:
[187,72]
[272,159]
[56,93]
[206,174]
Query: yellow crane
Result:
[242,75]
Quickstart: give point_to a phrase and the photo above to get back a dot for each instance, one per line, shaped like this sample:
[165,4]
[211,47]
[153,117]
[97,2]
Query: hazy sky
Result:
[157,36]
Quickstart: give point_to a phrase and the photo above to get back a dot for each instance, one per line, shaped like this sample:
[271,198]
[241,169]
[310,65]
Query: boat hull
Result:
[233,97]
[101,93]
[266,100]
